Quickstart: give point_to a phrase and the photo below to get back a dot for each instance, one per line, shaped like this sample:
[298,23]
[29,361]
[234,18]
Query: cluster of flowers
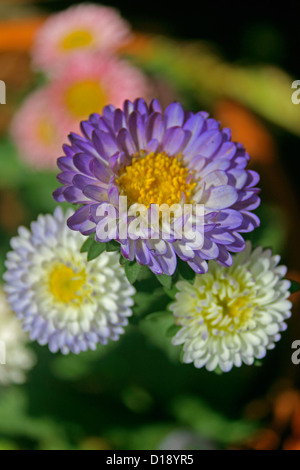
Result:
[235,308]
[77,50]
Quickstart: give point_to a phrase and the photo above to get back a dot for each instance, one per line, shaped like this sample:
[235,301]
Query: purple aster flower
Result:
[154,158]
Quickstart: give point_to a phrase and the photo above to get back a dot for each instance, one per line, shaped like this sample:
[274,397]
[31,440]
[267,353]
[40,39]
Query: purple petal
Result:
[253,178]
[80,219]
[215,165]
[87,129]
[81,181]
[174,115]
[127,249]
[128,109]
[155,107]
[75,195]
[108,113]
[66,177]
[95,192]
[58,194]
[210,249]
[141,252]
[113,195]
[82,162]
[168,261]
[65,163]
[194,124]
[126,142]
[140,105]
[106,229]
[105,145]
[238,244]
[227,150]
[155,127]
[221,197]
[224,258]
[154,264]
[250,222]
[198,265]
[206,144]
[119,120]
[173,140]
[137,130]
[229,218]
[100,170]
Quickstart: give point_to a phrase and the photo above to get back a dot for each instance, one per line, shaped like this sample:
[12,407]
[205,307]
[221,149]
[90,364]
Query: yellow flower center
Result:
[84,98]
[46,131]
[240,307]
[228,303]
[67,285]
[155,179]
[76,39]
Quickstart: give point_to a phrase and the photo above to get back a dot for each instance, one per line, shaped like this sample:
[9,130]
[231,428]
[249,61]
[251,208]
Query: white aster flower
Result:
[231,316]
[16,358]
[63,299]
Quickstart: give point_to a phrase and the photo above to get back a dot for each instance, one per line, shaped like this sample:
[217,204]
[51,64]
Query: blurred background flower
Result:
[135,394]
[16,357]
[37,132]
[86,27]
[88,82]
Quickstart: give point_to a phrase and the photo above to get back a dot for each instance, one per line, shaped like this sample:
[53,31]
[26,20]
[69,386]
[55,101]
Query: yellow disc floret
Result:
[155,179]
[84,98]
[46,131]
[227,303]
[66,285]
[76,39]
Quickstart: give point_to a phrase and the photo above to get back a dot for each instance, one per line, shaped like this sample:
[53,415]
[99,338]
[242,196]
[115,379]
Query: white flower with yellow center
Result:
[16,358]
[231,316]
[63,299]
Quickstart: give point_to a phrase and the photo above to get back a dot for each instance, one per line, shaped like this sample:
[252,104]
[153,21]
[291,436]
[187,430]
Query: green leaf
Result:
[132,270]
[157,316]
[87,244]
[193,412]
[165,280]
[172,330]
[123,260]
[258,363]
[146,303]
[171,292]
[112,246]
[295,287]
[181,355]
[95,250]
[218,371]
[185,271]
[154,327]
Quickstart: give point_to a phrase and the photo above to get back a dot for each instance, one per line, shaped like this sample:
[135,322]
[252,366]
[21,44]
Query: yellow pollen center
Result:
[46,131]
[84,98]
[65,284]
[155,179]
[76,39]
[240,308]
[226,303]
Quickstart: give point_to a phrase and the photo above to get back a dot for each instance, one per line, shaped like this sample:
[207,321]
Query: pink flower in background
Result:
[88,82]
[85,27]
[36,131]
